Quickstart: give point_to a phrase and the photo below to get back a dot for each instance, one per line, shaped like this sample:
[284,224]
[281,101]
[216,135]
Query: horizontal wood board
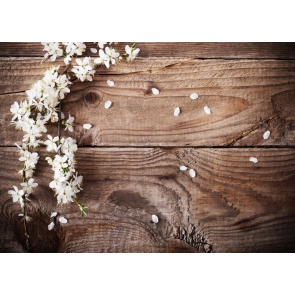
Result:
[246,99]
[232,205]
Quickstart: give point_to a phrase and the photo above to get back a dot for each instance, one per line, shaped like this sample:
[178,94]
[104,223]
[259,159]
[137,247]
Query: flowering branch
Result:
[43,103]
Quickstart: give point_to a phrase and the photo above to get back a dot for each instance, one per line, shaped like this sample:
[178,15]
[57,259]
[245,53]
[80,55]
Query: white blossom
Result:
[16,194]
[69,123]
[131,52]
[84,70]
[102,59]
[28,185]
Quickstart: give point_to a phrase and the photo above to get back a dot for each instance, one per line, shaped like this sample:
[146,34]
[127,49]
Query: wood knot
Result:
[92,98]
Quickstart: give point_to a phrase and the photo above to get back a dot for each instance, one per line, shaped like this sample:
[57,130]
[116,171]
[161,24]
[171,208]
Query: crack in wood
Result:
[192,236]
[248,133]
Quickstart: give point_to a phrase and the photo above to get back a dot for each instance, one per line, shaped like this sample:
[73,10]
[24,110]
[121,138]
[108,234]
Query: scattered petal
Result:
[111,83]
[62,115]
[176,111]
[155,218]
[20,214]
[266,134]
[62,220]
[253,159]
[87,126]
[93,50]
[192,173]
[51,225]
[53,214]
[183,168]
[155,91]
[207,110]
[107,104]
[194,96]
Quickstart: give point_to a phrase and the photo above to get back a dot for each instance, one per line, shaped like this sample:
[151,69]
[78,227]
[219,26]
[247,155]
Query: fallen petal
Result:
[87,126]
[155,91]
[192,173]
[207,110]
[111,83]
[93,50]
[53,214]
[194,96]
[50,225]
[62,220]
[266,134]
[253,159]
[155,218]
[107,104]
[62,115]
[176,111]
[183,168]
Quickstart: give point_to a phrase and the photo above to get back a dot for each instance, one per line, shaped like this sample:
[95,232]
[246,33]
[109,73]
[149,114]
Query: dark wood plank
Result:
[258,50]
[232,205]
[246,99]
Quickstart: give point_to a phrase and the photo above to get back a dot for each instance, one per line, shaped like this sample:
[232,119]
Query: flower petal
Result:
[87,126]
[111,83]
[192,173]
[93,50]
[207,110]
[53,214]
[155,91]
[51,225]
[266,134]
[183,168]
[194,96]
[253,159]
[155,218]
[108,104]
[177,111]
[62,220]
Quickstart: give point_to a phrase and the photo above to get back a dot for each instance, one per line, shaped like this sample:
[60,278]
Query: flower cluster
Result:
[66,184]
[68,50]
[43,104]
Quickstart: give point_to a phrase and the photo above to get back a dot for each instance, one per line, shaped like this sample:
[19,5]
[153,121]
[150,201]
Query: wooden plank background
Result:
[130,158]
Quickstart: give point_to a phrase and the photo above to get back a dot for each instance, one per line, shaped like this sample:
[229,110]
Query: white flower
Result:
[112,54]
[84,70]
[16,194]
[29,185]
[102,59]
[69,123]
[131,52]
[51,143]
[53,50]
[30,159]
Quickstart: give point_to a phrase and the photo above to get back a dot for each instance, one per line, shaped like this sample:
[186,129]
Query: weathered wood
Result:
[246,99]
[232,205]
[177,49]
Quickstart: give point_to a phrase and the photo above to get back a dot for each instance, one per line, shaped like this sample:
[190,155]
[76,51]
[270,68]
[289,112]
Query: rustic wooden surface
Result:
[130,158]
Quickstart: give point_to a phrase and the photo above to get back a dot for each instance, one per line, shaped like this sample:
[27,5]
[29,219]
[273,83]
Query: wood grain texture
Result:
[232,205]
[246,99]
[259,50]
